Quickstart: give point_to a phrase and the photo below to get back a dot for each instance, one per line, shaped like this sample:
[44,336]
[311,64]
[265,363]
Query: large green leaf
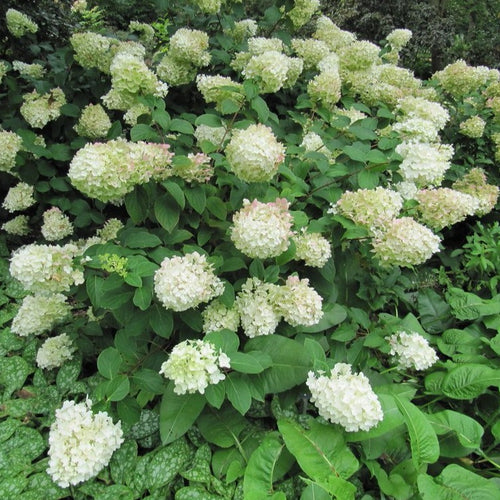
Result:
[423,440]
[238,392]
[469,306]
[322,454]
[457,483]
[221,427]
[178,413]
[469,381]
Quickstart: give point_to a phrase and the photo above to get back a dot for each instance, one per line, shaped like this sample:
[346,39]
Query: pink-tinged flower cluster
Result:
[184,282]
[262,230]
[193,365]
[56,225]
[345,398]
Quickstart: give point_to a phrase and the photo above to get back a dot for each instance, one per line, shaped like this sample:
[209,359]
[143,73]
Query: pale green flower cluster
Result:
[254,154]
[310,51]
[146,33]
[4,68]
[110,230]
[243,29]
[39,313]
[215,135]
[10,145]
[313,248]
[134,111]
[40,109]
[398,38]
[193,365]
[79,6]
[35,70]
[217,316]
[18,226]
[404,242]
[359,55]
[55,351]
[94,122]
[424,164]
[412,350]
[19,24]
[313,142]
[208,6]
[92,50]
[185,282]
[460,79]
[19,197]
[188,51]
[496,140]
[108,171]
[345,398]
[219,88]
[325,88]
[298,303]
[197,168]
[473,127]
[442,207]
[474,183]
[370,208]
[262,230]
[418,107]
[332,35]
[46,268]
[56,225]
[81,443]
[302,12]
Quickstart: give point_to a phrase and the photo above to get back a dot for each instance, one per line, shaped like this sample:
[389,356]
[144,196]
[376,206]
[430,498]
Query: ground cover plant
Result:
[244,254]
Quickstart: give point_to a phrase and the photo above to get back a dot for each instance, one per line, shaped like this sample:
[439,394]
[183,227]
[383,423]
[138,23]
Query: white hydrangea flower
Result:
[298,303]
[262,230]
[398,38]
[190,46]
[412,350]
[358,55]
[55,351]
[19,197]
[472,127]
[215,135]
[56,225]
[311,51]
[302,12]
[418,107]
[17,226]
[198,168]
[209,6]
[332,35]
[254,154]
[175,71]
[35,70]
[417,129]
[81,443]
[325,88]
[10,145]
[442,207]
[39,313]
[219,88]
[93,123]
[216,316]
[19,24]
[108,171]
[313,142]
[474,183]
[243,29]
[404,242]
[313,248]
[370,208]
[193,365]
[46,268]
[407,190]
[92,50]
[39,109]
[256,304]
[345,398]
[424,164]
[184,282]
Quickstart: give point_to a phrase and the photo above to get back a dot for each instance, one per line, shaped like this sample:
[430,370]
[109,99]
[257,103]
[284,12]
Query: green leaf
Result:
[167,212]
[368,179]
[182,126]
[197,198]
[68,374]
[290,362]
[162,118]
[109,362]
[434,311]
[468,306]
[178,413]
[118,388]
[238,392]
[259,473]
[11,487]
[333,315]
[209,120]
[161,321]
[469,381]
[149,380]
[217,207]
[137,204]
[143,132]
[450,424]
[144,294]
[260,106]
[69,109]
[314,491]
[222,427]
[215,394]
[13,373]
[177,193]
[357,151]
[322,454]
[251,362]
[139,238]
[457,483]
[423,440]
[166,463]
